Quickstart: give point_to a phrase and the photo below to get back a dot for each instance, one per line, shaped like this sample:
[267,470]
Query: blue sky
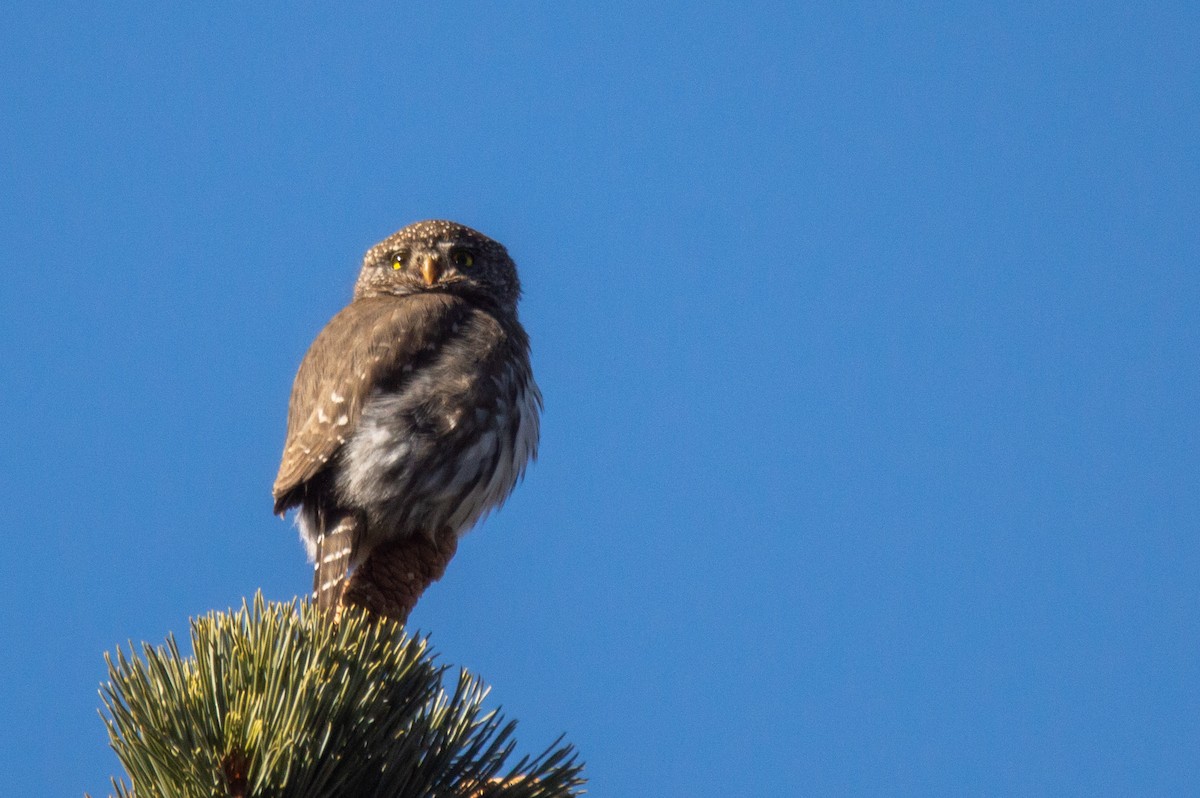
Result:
[868,339]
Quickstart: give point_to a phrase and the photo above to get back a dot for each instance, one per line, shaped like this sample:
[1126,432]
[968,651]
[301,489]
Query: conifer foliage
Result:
[278,700]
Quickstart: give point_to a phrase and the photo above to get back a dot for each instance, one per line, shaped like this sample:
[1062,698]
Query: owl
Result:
[413,414]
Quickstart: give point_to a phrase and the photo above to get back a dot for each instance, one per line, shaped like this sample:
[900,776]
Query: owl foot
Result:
[395,575]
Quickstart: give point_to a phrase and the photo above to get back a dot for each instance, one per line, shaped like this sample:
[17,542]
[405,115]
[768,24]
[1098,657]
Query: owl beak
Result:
[431,270]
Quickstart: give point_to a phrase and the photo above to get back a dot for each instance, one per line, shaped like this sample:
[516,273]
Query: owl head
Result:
[440,256]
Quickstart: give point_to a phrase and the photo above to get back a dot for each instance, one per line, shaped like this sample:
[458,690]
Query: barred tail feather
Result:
[334,548]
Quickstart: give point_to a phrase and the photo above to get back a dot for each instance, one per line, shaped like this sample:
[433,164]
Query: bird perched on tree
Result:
[412,416]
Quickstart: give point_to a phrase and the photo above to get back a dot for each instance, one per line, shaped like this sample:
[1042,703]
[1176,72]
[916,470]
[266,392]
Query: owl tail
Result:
[333,560]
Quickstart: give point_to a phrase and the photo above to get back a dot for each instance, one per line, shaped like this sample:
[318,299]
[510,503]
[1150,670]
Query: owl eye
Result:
[462,259]
[398,260]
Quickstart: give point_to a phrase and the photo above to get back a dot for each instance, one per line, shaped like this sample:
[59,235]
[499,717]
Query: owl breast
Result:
[444,444]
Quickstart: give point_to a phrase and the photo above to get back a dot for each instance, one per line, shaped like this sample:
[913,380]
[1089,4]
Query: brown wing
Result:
[369,341]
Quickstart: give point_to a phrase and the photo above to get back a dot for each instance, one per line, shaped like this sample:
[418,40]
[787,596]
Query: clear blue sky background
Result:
[869,341]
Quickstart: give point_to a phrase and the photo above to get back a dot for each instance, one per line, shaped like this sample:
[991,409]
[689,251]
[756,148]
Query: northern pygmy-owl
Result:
[413,415]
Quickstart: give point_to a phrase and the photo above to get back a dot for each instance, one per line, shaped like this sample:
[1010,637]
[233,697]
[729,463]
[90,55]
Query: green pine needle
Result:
[279,701]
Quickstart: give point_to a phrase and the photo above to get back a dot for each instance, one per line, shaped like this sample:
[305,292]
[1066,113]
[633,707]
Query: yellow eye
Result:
[462,258]
[397,262]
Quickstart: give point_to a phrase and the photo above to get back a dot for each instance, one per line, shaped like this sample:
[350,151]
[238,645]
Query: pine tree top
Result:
[278,700]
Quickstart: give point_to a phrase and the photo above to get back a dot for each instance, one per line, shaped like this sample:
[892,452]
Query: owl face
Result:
[439,256]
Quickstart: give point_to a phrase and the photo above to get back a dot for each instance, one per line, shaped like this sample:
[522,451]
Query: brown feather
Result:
[396,331]
[334,548]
